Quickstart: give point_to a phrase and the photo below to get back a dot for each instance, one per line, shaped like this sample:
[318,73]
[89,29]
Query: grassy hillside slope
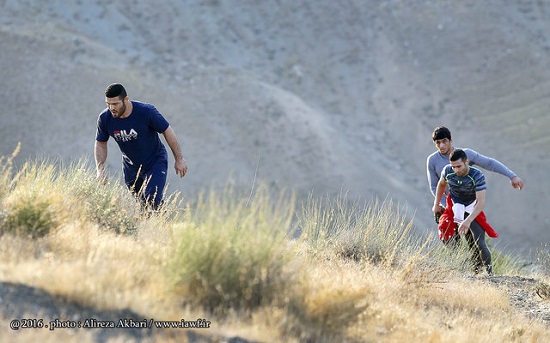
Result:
[229,266]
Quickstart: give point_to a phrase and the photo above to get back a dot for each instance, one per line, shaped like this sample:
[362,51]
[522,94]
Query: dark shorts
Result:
[153,189]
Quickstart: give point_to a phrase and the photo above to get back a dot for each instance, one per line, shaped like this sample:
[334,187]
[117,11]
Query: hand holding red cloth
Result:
[447,226]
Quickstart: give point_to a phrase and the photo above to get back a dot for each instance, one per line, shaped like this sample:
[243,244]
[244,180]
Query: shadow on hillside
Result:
[19,301]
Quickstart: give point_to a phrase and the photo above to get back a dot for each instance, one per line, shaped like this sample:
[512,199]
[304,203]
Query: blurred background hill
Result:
[315,96]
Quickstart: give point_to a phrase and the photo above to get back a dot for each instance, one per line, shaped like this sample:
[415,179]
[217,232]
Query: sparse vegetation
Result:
[235,257]
[356,272]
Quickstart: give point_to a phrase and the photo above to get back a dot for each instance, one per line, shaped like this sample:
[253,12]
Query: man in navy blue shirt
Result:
[135,126]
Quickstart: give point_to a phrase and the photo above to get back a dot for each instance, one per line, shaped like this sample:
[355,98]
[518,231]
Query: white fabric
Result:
[459,210]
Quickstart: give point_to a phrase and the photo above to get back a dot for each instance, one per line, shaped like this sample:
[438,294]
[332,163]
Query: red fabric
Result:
[447,226]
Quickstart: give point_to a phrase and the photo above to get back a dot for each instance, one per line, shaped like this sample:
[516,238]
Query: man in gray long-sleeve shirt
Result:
[439,159]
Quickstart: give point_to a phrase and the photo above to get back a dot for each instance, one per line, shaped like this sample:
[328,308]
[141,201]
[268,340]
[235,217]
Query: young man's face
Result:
[116,105]
[460,168]
[444,145]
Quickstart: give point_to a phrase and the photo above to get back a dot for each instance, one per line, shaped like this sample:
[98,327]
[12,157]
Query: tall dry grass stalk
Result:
[543,257]
[6,172]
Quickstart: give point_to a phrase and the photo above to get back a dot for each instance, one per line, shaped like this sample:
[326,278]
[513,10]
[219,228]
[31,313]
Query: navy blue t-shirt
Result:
[463,188]
[136,135]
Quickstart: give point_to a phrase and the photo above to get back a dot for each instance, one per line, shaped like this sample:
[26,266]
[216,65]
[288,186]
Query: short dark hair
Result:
[115,90]
[458,154]
[441,132]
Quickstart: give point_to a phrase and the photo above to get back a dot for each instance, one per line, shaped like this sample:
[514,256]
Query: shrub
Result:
[36,203]
[111,206]
[42,196]
[230,253]
[323,312]
[377,232]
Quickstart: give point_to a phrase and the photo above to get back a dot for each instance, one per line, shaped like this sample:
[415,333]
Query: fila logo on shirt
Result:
[123,135]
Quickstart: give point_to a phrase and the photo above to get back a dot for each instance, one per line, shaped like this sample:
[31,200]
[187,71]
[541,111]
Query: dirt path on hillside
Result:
[528,295]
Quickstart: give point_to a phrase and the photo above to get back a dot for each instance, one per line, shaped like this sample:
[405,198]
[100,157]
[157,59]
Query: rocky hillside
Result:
[323,96]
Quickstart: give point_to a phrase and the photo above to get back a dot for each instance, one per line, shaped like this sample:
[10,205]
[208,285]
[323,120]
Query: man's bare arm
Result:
[439,191]
[172,140]
[100,154]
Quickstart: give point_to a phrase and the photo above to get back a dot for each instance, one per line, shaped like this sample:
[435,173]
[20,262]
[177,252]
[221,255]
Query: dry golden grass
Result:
[355,274]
